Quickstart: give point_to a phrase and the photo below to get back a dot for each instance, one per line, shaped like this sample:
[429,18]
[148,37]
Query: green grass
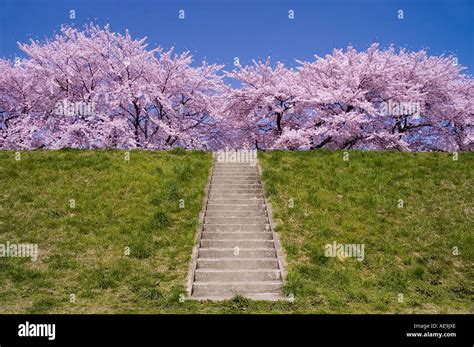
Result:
[135,204]
[408,249]
[119,205]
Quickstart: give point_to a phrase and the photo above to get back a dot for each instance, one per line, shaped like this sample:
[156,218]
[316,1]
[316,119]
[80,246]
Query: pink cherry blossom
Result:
[94,88]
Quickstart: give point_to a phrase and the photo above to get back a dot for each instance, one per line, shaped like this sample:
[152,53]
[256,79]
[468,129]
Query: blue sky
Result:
[218,31]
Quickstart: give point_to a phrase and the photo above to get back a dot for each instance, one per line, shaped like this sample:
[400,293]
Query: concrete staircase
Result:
[236,251]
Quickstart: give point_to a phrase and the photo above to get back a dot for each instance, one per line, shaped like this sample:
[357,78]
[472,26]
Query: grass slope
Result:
[119,204]
[135,204]
[408,250]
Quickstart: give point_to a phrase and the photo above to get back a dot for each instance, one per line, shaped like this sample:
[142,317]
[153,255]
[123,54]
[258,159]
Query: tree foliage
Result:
[94,88]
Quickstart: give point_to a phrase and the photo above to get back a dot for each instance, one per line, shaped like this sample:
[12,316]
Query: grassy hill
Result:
[118,204]
[134,205]
[408,210]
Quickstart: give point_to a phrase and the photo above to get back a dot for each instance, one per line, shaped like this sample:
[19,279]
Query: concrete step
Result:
[241,220]
[236,227]
[211,207]
[252,296]
[236,275]
[239,201]
[237,243]
[262,235]
[235,288]
[231,176]
[250,196]
[230,191]
[246,181]
[236,253]
[231,252]
[236,186]
[247,189]
[238,163]
[233,169]
[235,180]
[234,165]
[236,214]
[239,263]
[235,175]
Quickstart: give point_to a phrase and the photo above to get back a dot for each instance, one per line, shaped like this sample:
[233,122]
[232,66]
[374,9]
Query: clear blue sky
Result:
[219,30]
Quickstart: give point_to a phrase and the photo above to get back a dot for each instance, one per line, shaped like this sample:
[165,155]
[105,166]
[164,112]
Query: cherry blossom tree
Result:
[377,99]
[94,88]
[394,97]
[139,97]
[263,106]
[184,102]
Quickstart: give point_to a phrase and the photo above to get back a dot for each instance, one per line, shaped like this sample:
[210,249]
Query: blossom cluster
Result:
[94,88]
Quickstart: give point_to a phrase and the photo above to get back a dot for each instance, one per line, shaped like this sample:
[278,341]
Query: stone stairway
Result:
[236,250]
